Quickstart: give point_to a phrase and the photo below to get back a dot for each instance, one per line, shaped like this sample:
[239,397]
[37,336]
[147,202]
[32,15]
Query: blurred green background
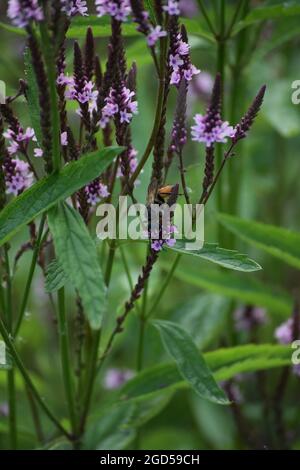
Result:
[266,169]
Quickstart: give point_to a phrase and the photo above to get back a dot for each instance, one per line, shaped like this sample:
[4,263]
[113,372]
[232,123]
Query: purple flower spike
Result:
[74,7]
[154,35]
[172,8]
[118,9]
[22,12]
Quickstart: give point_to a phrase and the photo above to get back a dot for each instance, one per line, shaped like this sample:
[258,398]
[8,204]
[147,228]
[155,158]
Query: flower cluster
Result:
[74,7]
[119,105]
[180,62]
[133,162]
[141,17]
[118,9]
[95,191]
[163,237]
[17,176]
[284,333]
[210,128]
[172,8]
[86,95]
[115,378]
[249,317]
[22,13]
[18,141]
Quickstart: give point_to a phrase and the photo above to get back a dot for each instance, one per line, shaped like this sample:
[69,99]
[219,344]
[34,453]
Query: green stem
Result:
[11,390]
[234,19]
[65,358]
[35,416]
[10,345]
[164,286]
[143,321]
[206,17]
[221,56]
[30,275]
[48,52]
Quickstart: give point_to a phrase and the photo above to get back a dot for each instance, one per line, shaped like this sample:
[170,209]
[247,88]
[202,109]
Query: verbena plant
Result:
[80,152]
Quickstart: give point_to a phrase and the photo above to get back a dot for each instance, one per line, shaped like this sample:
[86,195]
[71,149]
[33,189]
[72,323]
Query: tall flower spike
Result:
[179,55]
[117,9]
[74,7]
[247,121]
[44,99]
[22,12]
[141,16]
[210,128]
[3,156]
[89,57]
[80,86]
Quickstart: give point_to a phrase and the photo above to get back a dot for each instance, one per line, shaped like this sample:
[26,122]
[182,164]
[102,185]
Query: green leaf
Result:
[277,241]
[12,29]
[291,8]
[227,258]
[203,316]
[56,277]
[32,95]
[101,27]
[224,363]
[191,365]
[244,288]
[50,190]
[77,254]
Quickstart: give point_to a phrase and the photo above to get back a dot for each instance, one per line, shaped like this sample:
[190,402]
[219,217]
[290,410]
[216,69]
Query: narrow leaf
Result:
[56,277]
[277,241]
[50,190]
[227,258]
[224,363]
[77,254]
[244,288]
[191,365]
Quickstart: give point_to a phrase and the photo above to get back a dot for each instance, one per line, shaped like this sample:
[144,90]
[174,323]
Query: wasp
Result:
[164,195]
[158,197]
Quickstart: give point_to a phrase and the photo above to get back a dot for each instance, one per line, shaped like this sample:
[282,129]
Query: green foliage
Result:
[224,363]
[56,277]
[277,241]
[243,288]
[191,365]
[50,190]
[76,251]
[226,258]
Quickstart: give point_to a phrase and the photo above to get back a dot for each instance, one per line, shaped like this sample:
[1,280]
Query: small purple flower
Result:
[209,131]
[118,9]
[64,139]
[180,62]
[74,7]
[121,106]
[96,191]
[284,333]
[115,378]
[154,35]
[172,8]
[249,317]
[17,176]
[38,153]
[175,61]
[22,15]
